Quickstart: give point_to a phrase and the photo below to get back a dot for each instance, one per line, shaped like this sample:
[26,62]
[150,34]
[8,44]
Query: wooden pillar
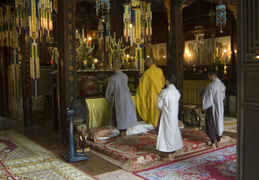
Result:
[176,44]
[3,83]
[67,61]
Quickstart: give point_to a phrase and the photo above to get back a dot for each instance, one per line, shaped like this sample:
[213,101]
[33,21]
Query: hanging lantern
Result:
[199,36]
[102,8]
[221,17]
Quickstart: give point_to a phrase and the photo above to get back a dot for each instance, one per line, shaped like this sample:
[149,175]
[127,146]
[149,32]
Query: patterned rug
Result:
[20,158]
[230,124]
[136,152]
[118,175]
[217,164]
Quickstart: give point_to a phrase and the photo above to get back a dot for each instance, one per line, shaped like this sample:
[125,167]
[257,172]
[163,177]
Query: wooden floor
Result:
[48,137]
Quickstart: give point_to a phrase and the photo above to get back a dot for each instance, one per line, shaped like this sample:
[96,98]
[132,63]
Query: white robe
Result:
[213,97]
[118,92]
[169,136]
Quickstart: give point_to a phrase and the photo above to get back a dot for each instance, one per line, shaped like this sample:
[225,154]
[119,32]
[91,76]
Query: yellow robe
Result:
[150,85]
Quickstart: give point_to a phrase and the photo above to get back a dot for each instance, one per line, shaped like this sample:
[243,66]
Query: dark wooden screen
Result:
[248,89]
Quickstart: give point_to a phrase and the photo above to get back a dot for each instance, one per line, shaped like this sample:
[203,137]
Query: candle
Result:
[90,40]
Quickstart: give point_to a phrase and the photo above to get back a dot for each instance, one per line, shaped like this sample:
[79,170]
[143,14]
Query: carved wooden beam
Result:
[232,2]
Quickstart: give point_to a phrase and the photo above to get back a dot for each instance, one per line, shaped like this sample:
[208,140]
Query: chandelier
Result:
[102,9]
[199,36]
[221,17]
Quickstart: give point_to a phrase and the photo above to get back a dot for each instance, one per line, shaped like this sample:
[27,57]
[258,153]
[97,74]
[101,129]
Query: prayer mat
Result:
[216,164]
[20,158]
[118,175]
[136,152]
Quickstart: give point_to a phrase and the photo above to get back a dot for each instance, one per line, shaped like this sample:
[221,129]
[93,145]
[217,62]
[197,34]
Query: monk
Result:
[213,104]
[150,85]
[123,113]
[169,137]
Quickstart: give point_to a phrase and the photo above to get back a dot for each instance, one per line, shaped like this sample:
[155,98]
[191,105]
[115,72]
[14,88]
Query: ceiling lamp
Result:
[221,17]
[199,36]
[102,9]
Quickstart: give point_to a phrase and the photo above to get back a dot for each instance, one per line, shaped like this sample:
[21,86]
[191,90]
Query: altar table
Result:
[98,111]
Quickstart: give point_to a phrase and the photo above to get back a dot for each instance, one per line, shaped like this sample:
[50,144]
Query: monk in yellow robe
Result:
[150,85]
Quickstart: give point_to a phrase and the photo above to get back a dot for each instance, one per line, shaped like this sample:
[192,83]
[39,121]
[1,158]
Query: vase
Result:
[85,62]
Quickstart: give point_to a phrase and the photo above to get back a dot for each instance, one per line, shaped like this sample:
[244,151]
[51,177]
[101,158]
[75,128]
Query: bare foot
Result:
[123,133]
[171,157]
[218,144]
[211,145]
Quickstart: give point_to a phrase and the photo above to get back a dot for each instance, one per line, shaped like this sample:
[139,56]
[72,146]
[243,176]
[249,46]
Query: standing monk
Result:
[213,104]
[150,85]
[169,137]
[123,114]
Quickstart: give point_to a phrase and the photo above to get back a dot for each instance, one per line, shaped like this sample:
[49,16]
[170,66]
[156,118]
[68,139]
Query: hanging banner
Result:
[49,18]
[148,23]
[137,18]
[34,49]
[33,19]
[8,25]
[20,15]
[100,32]
[126,20]
[2,28]
[45,18]
[138,39]
[34,68]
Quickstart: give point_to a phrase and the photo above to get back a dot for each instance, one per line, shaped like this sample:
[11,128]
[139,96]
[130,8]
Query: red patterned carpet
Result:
[136,152]
[217,164]
[21,158]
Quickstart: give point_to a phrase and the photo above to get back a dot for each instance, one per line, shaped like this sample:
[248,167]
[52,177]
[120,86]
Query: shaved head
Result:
[116,65]
[149,61]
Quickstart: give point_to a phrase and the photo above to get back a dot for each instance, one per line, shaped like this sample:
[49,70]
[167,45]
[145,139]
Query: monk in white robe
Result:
[123,113]
[169,137]
[213,104]
[150,85]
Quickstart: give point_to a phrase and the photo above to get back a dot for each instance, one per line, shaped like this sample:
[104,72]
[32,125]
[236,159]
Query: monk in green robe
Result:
[150,85]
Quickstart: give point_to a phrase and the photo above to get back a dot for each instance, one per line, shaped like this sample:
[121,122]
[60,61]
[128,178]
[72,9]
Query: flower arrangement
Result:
[217,60]
[84,50]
